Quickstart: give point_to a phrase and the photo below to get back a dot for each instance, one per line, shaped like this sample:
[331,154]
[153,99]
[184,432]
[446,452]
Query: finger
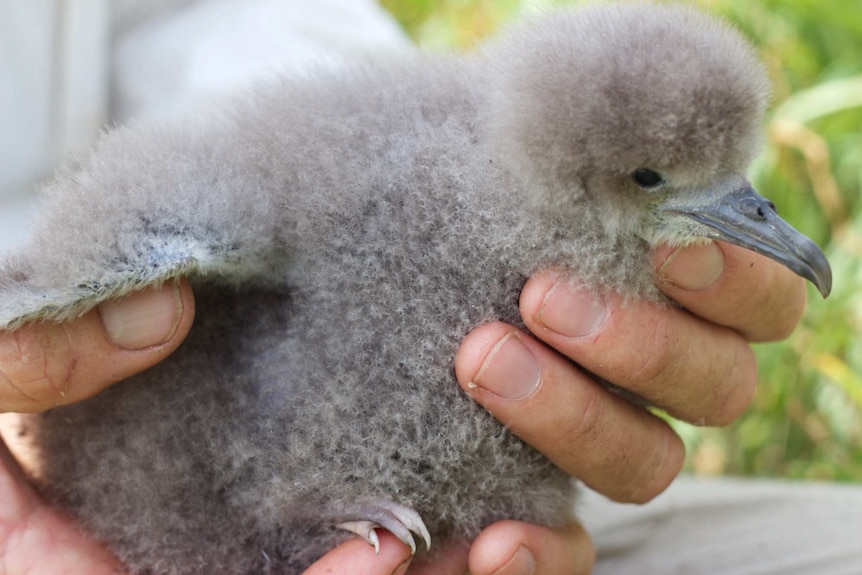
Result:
[734,287]
[513,548]
[452,560]
[613,446]
[35,540]
[356,557]
[49,364]
[698,371]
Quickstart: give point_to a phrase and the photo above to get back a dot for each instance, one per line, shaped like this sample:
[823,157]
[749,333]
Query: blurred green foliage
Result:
[806,418]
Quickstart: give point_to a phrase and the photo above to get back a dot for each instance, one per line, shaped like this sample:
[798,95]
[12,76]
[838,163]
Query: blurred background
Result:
[69,68]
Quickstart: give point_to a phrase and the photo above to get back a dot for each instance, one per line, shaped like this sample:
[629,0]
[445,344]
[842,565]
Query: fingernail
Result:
[693,267]
[143,319]
[521,563]
[402,569]
[572,312]
[510,370]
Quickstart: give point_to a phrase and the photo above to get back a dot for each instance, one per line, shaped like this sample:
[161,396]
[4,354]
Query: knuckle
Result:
[636,487]
[771,314]
[583,426]
[738,393]
[654,361]
[661,465]
[784,314]
[36,364]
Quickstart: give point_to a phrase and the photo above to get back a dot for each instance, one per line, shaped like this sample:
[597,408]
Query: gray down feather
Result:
[343,233]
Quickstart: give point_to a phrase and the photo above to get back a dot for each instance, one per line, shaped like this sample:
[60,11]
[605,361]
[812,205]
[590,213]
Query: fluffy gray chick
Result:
[343,234]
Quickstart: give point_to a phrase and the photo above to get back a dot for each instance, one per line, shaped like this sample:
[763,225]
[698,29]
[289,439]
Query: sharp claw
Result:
[365,530]
[411,543]
[389,521]
[412,521]
[375,542]
[399,520]
[426,536]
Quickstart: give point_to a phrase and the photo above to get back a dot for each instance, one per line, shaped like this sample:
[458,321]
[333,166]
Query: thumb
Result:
[43,365]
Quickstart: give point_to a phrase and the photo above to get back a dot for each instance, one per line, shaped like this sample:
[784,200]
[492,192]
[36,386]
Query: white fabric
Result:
[218,46]
[53,71]
[57,67]
[24,89]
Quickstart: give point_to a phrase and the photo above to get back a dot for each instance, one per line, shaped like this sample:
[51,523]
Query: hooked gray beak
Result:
[747,219]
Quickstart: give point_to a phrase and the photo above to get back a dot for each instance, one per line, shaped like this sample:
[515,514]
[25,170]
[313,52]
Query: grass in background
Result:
[806,419]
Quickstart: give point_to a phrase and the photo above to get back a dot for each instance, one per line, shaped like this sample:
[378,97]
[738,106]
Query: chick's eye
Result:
[647,178]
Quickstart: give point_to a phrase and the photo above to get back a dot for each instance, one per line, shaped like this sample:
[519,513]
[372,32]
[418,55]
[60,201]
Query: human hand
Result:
[695,363]
[50,365]
[45,365]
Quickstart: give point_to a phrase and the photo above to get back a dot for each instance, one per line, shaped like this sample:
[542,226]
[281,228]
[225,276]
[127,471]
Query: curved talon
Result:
[365,530]
[399,520]
[388,521]
[412,521]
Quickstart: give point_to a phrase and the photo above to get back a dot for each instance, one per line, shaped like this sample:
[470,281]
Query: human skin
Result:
[695,361]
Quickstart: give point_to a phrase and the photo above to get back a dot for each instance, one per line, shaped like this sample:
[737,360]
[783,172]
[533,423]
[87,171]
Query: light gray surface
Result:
[725,526]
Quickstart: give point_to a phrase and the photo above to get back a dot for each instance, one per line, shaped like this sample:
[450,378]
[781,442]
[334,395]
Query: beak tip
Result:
[824,286]
[744,218]
[815,267]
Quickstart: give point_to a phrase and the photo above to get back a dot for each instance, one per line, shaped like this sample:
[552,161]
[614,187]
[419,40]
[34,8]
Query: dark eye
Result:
[647,178]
